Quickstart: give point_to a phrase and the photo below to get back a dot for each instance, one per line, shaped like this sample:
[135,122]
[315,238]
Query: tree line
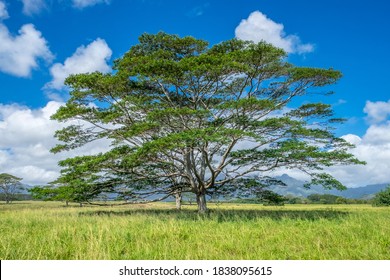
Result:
[10,188]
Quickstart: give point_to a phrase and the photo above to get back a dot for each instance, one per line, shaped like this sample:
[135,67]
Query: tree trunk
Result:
[178,200]
[201,200]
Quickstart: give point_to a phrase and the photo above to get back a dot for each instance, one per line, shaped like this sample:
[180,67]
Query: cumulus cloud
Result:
[20,54]
[27,135]
[3,11]
[258,27]
[377,157]
[93,57]
[26,138]
[31,7]
[86,3]
[377,111]
[373,147]
[352,139]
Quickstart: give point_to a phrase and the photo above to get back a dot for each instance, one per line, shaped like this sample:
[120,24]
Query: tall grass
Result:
[38,230]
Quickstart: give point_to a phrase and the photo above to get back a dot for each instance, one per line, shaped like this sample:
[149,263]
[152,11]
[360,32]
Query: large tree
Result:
[186,117]
[9,186]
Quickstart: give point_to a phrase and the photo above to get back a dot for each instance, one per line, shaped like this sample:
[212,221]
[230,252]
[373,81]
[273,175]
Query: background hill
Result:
[295,187]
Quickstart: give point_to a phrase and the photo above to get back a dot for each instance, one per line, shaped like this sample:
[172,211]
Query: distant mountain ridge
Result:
[295,187]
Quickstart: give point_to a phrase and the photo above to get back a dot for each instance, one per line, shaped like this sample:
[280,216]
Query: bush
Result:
[382,198]
[323,198]
[271,198]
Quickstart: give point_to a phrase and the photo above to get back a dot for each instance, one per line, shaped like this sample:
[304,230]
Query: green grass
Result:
[48,230]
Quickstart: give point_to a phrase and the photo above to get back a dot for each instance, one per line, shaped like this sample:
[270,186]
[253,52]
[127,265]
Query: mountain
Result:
[295,187]
[25,189]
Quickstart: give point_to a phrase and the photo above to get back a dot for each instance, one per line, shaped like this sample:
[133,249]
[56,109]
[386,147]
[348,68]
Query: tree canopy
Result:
[183,116]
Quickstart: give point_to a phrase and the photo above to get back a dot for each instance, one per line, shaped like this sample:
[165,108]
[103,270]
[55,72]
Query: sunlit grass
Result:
[48,230]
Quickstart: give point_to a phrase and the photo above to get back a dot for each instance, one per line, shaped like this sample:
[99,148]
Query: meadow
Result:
[49,230]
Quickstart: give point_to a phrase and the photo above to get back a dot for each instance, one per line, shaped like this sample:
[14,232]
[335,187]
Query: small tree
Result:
[9,186]
[324,198]
[291,199]
[75,191]
[269,197]
[341,200]
[382,198]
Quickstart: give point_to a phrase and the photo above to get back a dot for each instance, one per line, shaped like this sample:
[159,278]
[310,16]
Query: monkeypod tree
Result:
[183,116]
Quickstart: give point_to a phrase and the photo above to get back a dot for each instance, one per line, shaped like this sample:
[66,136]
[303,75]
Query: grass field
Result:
[48,230]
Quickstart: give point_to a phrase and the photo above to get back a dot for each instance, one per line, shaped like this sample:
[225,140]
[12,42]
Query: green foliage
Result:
[183,116]
[62,193]
[382,198]
[271,198]
[290,199]
[326,199]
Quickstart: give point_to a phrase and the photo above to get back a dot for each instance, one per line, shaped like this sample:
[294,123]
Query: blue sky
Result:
[42,41]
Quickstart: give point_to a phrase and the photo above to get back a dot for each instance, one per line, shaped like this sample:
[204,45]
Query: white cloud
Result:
[86,59]
[31,7]
[3,11]
[258,27]
[378,134]
[27,136]
[352,138]
[20,54]
[373,147]
[86,3]
[377,111]
[376,171]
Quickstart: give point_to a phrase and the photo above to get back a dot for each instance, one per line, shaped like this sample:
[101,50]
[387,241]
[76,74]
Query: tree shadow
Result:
[225,215]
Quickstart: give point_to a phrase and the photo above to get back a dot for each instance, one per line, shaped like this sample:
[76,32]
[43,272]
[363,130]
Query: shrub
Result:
[382,198]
